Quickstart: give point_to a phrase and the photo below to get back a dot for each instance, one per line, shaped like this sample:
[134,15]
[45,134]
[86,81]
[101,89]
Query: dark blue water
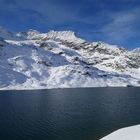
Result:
[67,114]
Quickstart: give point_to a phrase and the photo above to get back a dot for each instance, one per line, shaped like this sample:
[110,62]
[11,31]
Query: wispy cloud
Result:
[55,13]
[122,25]
[92,19]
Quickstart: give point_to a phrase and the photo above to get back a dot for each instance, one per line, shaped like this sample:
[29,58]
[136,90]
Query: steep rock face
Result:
[60,59]
[62,35]
[104,48]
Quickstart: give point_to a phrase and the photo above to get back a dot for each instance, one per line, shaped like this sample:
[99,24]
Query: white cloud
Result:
[56,13]
[122,25]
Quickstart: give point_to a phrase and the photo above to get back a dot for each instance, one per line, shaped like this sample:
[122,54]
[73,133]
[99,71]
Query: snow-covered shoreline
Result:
[128,133]
[63,88]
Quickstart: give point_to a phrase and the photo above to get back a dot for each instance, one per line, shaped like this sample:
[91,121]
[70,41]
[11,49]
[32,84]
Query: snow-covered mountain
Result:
[58,59]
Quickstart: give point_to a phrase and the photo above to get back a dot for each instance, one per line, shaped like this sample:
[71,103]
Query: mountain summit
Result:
[60,59]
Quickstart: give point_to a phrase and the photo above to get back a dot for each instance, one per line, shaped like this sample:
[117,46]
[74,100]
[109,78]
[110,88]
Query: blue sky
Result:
[112,21]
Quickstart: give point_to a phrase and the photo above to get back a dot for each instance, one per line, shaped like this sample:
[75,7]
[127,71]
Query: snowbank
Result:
[128,133]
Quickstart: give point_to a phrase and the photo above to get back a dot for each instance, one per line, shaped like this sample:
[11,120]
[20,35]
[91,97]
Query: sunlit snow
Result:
[59,59]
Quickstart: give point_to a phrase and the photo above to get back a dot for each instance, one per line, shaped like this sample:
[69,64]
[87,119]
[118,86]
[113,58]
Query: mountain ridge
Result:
[60,59]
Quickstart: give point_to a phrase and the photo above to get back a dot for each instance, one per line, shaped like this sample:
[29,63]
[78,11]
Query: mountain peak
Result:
[61,34]
[32,32]
[27,35]
[69,36]
[61,59]
[137,50]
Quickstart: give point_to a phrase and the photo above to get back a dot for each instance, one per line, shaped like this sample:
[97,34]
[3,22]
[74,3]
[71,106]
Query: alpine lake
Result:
[67,114]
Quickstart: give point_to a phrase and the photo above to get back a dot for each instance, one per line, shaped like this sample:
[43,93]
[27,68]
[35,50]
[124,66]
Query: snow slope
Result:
[129,133]
[60,59]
